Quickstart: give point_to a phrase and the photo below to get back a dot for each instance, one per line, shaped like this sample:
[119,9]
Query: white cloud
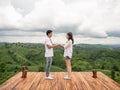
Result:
[9,18]
[23,6]
[4,2]
[85,18]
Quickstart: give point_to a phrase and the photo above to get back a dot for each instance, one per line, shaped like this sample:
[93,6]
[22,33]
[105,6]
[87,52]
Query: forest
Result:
[86,57]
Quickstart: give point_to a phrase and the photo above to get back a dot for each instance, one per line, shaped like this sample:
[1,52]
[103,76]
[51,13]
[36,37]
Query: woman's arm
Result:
[62,45]
[67,44]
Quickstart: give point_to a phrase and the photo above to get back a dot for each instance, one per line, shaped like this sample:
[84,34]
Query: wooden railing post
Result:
[24,72]
[94,73]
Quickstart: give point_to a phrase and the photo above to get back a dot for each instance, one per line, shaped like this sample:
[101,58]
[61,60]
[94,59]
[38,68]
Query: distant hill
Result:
[99,45]
[105,58]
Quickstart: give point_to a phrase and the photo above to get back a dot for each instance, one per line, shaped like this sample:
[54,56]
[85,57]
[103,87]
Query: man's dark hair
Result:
[48,32]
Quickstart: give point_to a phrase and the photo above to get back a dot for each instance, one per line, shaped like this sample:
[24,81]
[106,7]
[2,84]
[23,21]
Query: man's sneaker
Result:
[67,77]
[49,77]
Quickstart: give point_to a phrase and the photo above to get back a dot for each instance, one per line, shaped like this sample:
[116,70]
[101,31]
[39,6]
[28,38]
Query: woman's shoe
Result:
[67,77]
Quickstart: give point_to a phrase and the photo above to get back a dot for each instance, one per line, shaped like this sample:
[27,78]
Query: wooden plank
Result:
[112,85]
[23,81]
[79,81]
[31,81]
[8,85]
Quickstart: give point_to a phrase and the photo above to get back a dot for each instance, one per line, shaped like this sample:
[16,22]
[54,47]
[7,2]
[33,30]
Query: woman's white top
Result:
[68,49]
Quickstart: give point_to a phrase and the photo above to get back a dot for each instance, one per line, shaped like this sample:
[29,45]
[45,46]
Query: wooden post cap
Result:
[24,72]
[94,73]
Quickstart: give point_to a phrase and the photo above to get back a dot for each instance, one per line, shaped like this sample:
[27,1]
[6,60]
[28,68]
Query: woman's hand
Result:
[62,45]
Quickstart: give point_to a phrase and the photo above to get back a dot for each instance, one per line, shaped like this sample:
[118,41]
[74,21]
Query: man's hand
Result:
[53,46]
[56,45]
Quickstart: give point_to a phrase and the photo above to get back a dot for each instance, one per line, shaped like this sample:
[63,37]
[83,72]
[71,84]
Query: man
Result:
[49,53]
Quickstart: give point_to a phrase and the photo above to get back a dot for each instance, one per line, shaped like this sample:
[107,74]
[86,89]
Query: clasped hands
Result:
[62,45]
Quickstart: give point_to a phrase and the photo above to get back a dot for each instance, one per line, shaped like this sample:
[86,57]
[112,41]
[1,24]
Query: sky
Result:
[90,21]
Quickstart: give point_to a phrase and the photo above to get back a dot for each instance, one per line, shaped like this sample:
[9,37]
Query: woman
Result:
[68,53]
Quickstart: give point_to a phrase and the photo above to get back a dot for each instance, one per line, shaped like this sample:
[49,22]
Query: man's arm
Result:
[53,46]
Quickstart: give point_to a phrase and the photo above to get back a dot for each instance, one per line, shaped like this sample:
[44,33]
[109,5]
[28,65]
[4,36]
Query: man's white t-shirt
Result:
[68,49]
[48,52]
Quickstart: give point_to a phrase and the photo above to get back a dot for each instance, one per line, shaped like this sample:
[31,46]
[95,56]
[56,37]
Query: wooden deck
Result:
[79,81]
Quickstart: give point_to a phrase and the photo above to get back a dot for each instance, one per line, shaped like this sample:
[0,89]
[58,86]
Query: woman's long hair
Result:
[70,37]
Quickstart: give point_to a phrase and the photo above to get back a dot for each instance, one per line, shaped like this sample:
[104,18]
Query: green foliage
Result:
[85,58]
[113,74]
[2,67]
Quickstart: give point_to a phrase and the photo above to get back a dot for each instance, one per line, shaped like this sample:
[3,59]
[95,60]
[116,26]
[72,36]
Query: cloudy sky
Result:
[91,21]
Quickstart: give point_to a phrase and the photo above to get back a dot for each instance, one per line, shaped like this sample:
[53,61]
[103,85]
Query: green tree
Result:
[2,67]
[113,74]
[115,68]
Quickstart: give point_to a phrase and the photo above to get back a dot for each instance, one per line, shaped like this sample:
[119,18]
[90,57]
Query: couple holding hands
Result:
[67,53]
